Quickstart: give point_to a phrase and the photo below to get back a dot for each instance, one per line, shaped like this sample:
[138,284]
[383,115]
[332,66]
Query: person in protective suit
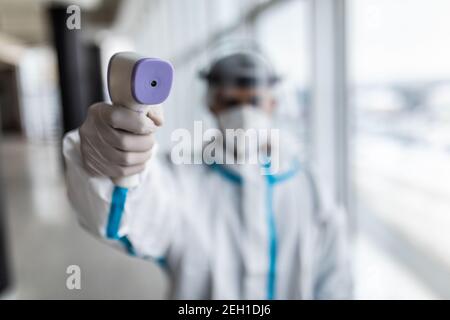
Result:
[221,230]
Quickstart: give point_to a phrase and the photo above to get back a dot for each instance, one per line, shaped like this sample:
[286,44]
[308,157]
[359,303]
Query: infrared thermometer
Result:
[137,83]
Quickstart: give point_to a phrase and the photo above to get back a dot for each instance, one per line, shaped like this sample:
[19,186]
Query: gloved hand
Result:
[116,141]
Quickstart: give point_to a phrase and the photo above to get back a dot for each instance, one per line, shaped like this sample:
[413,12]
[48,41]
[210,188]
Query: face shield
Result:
[239,95]
[242,70]
[240,78]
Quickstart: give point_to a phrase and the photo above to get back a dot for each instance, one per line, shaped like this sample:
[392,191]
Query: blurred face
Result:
[249,109]
[224,99]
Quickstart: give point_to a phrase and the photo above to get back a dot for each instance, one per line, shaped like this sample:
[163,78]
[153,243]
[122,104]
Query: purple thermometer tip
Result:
[151,80]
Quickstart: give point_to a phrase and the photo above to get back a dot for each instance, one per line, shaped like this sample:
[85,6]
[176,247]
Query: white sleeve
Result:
[334,278]
[150,212]
[333,253]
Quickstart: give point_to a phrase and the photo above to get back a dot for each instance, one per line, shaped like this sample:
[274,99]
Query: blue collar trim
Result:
[271,178]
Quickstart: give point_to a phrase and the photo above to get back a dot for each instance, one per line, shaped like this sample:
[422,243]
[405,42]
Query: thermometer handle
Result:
[133,180]
[137,82]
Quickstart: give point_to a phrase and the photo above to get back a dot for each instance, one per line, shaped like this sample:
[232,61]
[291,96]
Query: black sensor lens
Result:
[154,83]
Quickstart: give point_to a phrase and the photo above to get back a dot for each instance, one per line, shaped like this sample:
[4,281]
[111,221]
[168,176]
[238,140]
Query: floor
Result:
[44,239]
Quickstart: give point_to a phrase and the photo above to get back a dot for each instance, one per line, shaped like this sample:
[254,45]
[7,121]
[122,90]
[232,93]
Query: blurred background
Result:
[366,89]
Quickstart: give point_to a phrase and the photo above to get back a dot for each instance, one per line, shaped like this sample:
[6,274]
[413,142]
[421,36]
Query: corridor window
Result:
[399,71]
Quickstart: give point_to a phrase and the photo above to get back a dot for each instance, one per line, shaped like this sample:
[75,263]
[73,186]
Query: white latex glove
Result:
[116,141]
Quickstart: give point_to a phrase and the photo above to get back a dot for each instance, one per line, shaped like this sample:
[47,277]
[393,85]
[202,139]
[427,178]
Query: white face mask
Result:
[245,117]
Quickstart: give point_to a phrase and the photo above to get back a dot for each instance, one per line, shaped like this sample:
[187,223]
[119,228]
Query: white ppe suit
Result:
[220,231]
